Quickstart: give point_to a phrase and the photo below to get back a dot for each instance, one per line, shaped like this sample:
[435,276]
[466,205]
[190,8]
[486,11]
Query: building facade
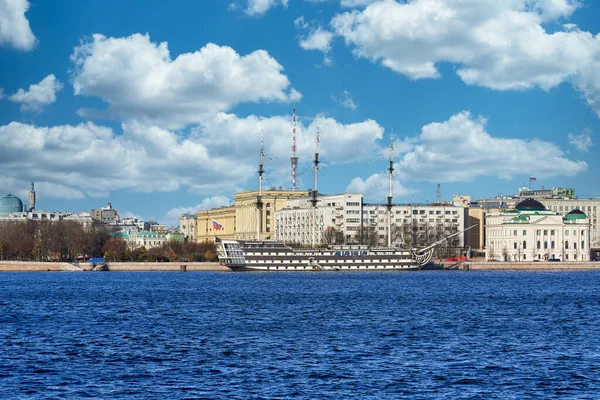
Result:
[530,232]
[411,224]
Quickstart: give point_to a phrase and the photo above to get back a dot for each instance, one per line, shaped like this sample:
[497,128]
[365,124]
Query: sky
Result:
[159,107]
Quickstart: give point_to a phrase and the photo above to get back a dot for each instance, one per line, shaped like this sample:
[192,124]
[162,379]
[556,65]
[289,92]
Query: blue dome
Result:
[10,204]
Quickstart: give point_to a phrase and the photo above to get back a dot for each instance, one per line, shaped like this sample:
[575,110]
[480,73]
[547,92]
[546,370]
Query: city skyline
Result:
[163,113]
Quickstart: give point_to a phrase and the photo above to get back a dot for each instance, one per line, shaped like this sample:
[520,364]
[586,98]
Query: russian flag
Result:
[531,178]
[217,226]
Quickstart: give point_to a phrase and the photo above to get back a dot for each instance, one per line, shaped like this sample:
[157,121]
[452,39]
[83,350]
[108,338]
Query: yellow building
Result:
[223,226]
[239,221]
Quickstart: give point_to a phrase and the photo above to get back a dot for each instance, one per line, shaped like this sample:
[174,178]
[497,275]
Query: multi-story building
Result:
[411,224]
[105,214]
[342,213]
[560,200]
[239,221]
[187,226]
[531,232]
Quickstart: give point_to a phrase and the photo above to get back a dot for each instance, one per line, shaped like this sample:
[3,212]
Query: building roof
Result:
[530,204]
[575,214]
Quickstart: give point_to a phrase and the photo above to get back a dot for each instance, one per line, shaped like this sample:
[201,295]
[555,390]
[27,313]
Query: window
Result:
[566,244]
[524,232]
[515,232]
[524,245]
[545,244]
[545,232]
[538,232]
[567,232]
[552,246]
[582,245]
[574,245]
[515,245]
[538,244]
[552,232]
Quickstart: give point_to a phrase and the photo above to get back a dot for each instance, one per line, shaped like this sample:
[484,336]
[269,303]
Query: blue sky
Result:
[158,107]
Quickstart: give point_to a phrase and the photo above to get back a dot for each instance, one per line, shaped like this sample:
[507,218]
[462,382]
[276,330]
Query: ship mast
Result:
[259,202]
[389,199]
[315,192]
[294,157]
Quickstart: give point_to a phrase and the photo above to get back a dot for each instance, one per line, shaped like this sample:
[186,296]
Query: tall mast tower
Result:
[259,202]
[315,192]
[389,199]
[294,158]
[438,194]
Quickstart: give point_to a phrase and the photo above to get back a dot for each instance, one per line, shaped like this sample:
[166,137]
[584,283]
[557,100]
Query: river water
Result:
[221,335]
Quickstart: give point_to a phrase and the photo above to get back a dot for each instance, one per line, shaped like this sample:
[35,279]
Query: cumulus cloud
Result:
[583,141]
[172,216]
[88,160]
[318,39]
[38,95]
[260,7]
[501,45]
[460,150]
[92,160]
[376,187]
[139,80]
[14,27]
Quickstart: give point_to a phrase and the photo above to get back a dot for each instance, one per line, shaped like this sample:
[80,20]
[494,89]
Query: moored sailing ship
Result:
[270,255]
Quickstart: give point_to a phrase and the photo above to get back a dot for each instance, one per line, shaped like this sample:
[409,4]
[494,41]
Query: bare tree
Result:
[367,235]
[332,236]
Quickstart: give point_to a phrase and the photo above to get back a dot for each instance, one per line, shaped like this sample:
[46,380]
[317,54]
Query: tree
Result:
[114,249]
[332,236]
[367,235]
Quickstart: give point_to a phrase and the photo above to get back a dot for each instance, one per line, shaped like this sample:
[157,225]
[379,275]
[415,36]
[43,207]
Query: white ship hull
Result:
[275,256]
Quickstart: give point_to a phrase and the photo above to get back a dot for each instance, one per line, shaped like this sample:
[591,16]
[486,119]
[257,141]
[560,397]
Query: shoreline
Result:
[32,266]
[35,266]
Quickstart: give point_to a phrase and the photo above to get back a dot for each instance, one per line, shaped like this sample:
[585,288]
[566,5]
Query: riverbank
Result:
[31,266]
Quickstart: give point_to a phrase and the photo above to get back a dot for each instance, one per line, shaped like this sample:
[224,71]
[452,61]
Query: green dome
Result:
[575,214]
[530,205]
[10,204]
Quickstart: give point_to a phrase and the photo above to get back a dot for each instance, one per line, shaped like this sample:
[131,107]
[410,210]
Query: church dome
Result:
[575,214]
[10,204]
[530,205]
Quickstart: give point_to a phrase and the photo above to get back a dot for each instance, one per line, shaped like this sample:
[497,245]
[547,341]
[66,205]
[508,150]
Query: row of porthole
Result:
[341,267]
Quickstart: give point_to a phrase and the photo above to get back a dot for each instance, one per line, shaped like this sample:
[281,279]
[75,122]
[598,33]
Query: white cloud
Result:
[38,95]
[260,7]
[318,39]
[355,3]
[219,156]
[139,80]
[583,141]
[14,27]
[497,44]
[376,187]
[172,216]
[346,100]
[460,150]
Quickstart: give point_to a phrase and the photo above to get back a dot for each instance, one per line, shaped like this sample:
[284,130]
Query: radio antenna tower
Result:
[438,194]
[294,158]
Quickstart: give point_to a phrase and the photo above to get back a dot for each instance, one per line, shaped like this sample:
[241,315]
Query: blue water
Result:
[419,335]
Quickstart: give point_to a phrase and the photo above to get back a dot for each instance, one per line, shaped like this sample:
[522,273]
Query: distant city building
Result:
[105,214]
[147,239]
[187,226]
[530,232]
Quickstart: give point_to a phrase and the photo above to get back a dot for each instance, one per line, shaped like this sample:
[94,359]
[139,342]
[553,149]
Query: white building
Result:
[412,224]
[531,232]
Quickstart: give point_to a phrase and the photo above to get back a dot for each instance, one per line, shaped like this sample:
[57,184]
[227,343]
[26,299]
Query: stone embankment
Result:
[31,266]
[530,266]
